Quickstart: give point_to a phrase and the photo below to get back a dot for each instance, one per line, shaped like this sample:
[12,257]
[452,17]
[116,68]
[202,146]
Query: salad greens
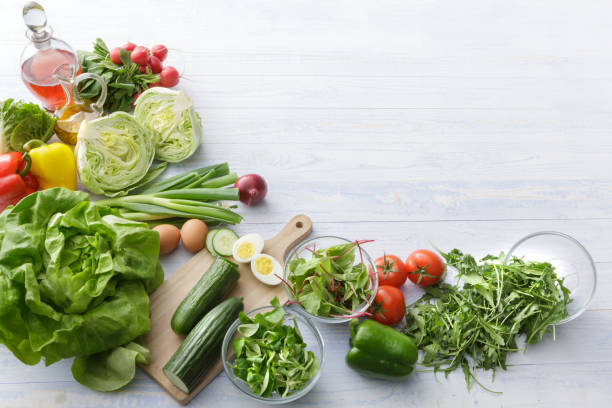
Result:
[113,154]
[272,357]
[122,81]
[21,122]
[170,116]
[74,279]
[477,324]
[330,283]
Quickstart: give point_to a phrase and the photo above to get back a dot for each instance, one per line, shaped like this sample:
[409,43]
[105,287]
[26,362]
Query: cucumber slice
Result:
[223,241]
[209,240]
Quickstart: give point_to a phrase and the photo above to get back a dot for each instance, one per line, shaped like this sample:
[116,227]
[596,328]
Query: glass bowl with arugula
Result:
[330,279]
[272,354]
[571,261]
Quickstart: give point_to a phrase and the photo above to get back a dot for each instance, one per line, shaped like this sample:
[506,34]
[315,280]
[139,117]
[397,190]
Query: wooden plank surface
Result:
[463,124]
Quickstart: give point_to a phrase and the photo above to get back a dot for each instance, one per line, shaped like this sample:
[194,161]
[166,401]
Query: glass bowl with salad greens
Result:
[272,354]
[330,279]
[571,261]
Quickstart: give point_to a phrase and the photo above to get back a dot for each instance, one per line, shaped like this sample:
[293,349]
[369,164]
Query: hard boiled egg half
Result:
[246,247]
[266,269]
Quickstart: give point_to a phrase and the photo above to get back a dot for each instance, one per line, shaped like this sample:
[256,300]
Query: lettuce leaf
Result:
[21,122]
[74,277]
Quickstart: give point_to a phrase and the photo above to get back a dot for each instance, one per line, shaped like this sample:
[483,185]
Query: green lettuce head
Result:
[113,153]
[74,277]
[170,116]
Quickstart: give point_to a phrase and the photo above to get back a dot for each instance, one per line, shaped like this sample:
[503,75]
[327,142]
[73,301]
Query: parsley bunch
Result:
[476,322]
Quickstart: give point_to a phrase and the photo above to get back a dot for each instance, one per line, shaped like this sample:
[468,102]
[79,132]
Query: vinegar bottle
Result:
[41,56]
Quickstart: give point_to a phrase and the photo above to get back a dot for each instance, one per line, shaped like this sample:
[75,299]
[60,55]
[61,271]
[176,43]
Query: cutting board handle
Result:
[298,228]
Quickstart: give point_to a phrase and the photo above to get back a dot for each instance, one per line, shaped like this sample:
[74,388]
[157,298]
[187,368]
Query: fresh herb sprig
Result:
[476,322]
[272,357]
[330,283]
[123,81]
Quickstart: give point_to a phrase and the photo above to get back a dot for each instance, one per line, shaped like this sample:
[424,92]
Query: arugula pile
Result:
[122,81]
[272,357]
[330,284]
[481,321]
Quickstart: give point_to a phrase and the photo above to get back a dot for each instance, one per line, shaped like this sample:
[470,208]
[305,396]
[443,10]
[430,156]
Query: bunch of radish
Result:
[150,59]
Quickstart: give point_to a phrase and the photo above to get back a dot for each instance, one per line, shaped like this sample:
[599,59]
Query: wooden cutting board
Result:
[163,342]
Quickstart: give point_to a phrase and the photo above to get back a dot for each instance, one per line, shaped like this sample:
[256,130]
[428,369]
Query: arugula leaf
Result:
[476,325]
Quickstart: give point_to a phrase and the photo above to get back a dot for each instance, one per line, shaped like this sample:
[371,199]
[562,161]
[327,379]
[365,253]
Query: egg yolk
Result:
[264,266]
[245,250]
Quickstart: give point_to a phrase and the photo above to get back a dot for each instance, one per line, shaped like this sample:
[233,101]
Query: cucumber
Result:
[209,239]
[223,241]
[210,289]
[202,347]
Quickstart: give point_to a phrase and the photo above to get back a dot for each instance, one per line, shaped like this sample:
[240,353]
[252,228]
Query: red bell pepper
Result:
[15,181]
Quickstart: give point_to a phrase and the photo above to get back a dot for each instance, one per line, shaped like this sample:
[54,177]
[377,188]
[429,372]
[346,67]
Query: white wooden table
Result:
[460,123]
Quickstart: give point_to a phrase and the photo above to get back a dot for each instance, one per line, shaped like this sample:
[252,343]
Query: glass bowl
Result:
[571,261]
[312,337]
[304,250]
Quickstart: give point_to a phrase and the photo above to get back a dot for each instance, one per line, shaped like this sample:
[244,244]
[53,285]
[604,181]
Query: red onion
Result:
[252,188]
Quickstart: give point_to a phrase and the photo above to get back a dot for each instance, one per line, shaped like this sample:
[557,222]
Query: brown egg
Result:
[169,236]
[193,235]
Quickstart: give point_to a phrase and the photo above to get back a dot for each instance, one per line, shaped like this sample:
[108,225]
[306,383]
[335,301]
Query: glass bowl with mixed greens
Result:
[273,354]
[330,279]
[570,260]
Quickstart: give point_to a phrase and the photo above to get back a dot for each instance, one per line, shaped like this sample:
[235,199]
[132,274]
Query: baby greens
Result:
[481,321]
[330,284]
[272,357]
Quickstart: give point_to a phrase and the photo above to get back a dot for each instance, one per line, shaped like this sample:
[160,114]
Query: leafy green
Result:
[170,116]
[122,81]
[74,277]
[113,154]
[477,324]
[21,122]
[329,284]
[110,370]
[272,357]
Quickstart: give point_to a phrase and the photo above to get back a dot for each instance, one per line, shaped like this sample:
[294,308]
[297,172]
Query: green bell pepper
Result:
[380,351]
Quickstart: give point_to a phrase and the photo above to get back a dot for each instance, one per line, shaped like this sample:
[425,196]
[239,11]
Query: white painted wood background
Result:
[460,123]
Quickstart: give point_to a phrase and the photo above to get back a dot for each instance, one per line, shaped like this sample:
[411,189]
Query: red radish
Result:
[252,188]
[135,96]
[154,84]
[169,77]
[115,55]
[155,64]
[129,46]
[140,55]
[142,69]
[160,51]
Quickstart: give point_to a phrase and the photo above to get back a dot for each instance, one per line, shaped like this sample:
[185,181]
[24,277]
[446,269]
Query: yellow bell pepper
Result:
[53,165]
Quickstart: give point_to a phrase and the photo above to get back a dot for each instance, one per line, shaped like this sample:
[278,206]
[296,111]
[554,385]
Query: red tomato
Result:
[424,267]
[391,270]
[389,306]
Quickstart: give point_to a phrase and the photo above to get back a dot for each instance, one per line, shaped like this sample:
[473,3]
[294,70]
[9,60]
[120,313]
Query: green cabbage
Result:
[74,280]
[170,115]
[21,122]
[113,153]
